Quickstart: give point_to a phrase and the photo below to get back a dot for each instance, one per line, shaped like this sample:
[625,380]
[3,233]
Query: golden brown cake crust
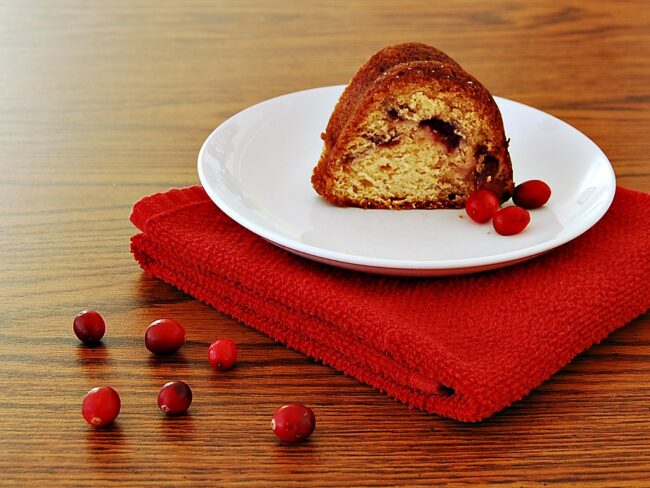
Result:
[407,68]
[376,66]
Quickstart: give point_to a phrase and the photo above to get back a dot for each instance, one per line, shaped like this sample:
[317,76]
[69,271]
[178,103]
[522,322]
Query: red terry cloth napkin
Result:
[463,347]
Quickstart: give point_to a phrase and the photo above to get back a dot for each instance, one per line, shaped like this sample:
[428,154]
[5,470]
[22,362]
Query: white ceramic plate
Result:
[257,165]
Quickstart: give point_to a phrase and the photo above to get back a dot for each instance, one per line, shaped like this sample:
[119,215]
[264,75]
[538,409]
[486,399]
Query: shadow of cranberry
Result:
[165,361]
[107,441]
[287,456]
[94,361]
[178,428]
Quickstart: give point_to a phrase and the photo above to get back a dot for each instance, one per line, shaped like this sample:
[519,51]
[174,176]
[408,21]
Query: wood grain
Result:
[102,103]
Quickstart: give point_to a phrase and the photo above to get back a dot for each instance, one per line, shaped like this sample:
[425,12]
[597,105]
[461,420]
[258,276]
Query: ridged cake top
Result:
[370,71]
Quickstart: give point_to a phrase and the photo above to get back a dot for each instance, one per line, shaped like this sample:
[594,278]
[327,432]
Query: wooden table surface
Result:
[102,103]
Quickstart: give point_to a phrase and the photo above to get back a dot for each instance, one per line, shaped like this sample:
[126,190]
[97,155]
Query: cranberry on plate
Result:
[481,205]
[531,194]
[511,220]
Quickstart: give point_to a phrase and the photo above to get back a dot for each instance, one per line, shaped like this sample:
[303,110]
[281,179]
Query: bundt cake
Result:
[413,130]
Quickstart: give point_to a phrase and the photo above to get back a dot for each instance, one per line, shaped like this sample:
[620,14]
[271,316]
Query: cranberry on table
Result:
[89,327]
[510,220]
[222,354]
[293,423]
[164,336]
[175,398]
[101,406]
[481,205]
[531,194]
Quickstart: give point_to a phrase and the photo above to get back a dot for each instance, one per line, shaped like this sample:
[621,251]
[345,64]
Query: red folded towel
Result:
[463,347]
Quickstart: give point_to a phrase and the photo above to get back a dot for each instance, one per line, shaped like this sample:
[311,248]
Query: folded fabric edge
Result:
[163,202]
[397,381]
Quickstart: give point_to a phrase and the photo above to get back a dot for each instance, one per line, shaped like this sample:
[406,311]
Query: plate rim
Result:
[460,264]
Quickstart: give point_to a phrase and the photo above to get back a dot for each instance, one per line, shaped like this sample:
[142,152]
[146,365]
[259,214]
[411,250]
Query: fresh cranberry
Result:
[481,205]
[510,220]
[293,423]
[531,194]
[164,336]
[222,354]
[89,327]
[101,406]
[175,398]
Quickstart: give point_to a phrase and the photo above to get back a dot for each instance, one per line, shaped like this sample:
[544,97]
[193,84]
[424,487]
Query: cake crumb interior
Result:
[414,147]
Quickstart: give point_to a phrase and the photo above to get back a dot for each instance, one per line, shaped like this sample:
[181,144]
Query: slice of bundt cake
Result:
[413,130]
